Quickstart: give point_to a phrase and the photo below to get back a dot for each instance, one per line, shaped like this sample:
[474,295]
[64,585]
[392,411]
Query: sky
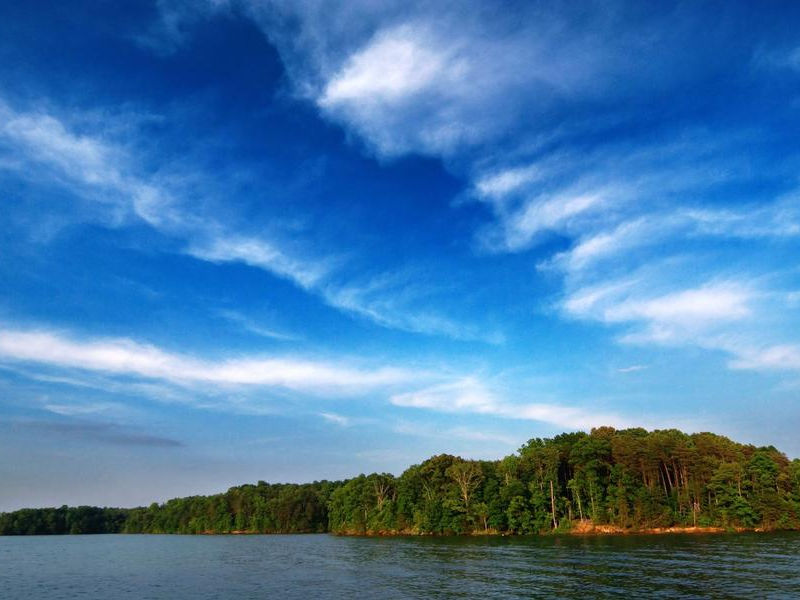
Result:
[286,241]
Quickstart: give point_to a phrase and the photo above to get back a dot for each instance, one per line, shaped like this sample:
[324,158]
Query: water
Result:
[322,566]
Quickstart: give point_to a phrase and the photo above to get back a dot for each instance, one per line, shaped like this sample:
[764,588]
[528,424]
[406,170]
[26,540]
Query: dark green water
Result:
[322,566]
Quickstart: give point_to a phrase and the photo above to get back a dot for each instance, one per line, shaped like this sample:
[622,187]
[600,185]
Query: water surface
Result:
[323,566]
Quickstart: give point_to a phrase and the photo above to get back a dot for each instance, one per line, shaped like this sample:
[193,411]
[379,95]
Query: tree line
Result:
[260,508]
[630,479]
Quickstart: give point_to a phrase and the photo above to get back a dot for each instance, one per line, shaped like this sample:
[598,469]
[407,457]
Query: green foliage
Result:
[631,479]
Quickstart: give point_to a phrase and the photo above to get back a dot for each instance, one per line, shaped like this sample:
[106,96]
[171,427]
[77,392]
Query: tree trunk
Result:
[669,478]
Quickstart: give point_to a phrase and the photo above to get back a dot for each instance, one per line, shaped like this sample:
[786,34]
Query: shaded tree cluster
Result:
[260,508]
[64,520]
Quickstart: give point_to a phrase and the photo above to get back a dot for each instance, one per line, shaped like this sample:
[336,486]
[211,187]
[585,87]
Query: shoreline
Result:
[580,531]
[596,531]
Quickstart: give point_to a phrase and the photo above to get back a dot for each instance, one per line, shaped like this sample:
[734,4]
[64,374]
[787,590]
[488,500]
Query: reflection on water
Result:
[321,566]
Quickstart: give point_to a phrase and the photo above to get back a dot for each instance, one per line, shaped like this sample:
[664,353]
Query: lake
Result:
[324,566]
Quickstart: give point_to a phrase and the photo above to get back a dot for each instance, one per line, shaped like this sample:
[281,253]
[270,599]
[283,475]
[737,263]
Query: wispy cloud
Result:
[394,302]
[784,357]
[126,357]
[253,326]
[83,408]
[710,303]
[340,420]
[174,21]
[396,64]
[609,241]
[550,213]
[631,369]
[728,316]
[104,382]
[628,195]
[605,244]
[429,79]
[106,174]
[470,396]
[499,185]
[374,89]
[98,169]
[471,434]
[258,253]
[677,316]
[440,392]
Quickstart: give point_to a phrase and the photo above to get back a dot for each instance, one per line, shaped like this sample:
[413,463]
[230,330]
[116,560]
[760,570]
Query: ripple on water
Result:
[320,566]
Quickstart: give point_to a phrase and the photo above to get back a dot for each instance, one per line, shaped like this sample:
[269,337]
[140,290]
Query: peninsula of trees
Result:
[626,480]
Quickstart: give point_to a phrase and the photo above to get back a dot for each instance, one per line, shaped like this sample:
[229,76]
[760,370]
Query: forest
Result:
[631,480]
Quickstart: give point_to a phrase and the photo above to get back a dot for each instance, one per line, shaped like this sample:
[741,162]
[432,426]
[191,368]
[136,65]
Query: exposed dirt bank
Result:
[581,528]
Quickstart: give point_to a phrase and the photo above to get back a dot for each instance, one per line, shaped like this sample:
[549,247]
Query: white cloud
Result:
[261,254]
[404,71]
[254,327]
[584,302]
[126,357]
[397,64]
[631,369]
[710,303]
[607,244]
[471,434]
[106,383]
[778,219]
[80,409]
[467,395]
[609,240]
[631,301]
[104,171]
[396,301]
[552,213]
[498,185]
[727,316]
[89,165]
[470,396]
[340,420]
[785,357]
[464,86]
[434,79]
[46,138]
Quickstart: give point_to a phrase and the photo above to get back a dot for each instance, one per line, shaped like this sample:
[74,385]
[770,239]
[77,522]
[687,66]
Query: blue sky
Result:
[299,240]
